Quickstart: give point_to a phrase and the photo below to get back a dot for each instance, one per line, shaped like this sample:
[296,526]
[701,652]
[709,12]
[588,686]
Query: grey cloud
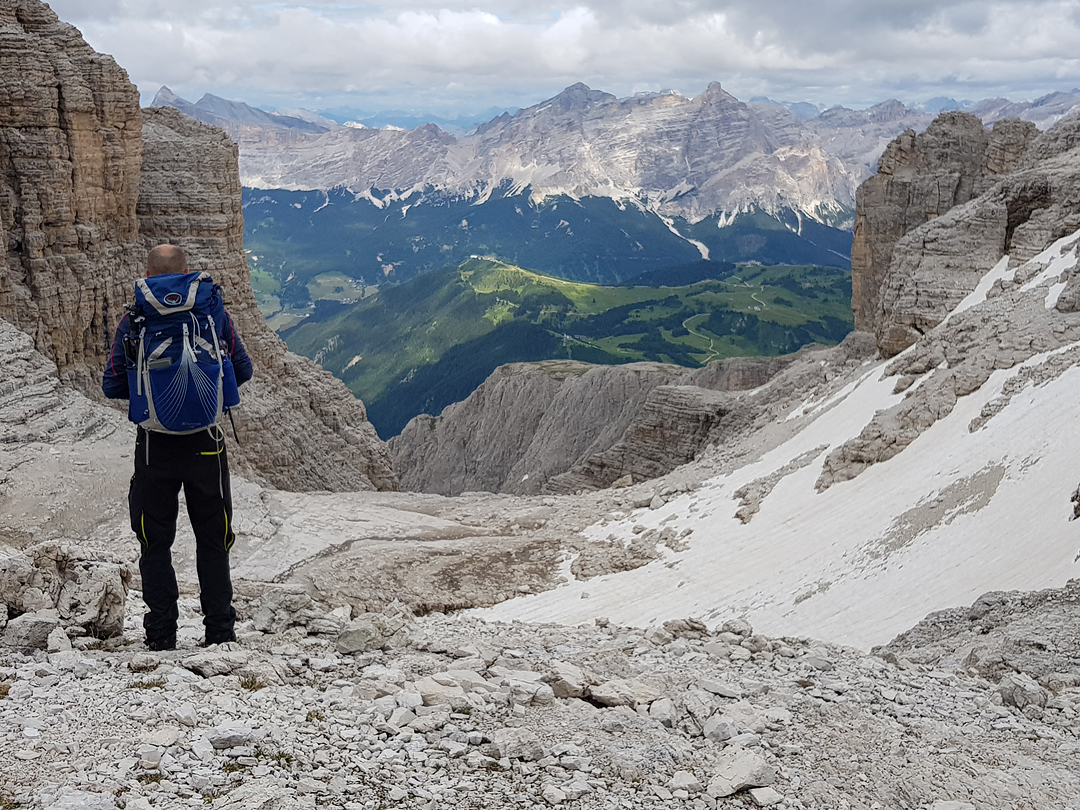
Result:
[476,52]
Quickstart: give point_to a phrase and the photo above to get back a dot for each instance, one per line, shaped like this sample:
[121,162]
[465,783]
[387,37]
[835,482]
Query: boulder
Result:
[438,692]
[370,631]
[516,743]
[1020,690]
[737,769]
[86,588]
[566,680]
[230,735]
[621,692]
[218,662]
[30,631]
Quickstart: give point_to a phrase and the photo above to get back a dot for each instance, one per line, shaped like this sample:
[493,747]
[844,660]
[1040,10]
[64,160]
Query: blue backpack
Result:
[182,378]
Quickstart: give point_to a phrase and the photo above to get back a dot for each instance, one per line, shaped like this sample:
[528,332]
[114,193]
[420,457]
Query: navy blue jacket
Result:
[114,383]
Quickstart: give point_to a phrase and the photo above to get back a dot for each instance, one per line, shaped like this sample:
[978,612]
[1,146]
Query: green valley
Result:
[418,346]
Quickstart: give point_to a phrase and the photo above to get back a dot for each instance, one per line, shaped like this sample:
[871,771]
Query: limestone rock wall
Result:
[726,405]
[82,198]
[526,423]
[920,178]
[298,426]
[674,423]
[937,264]
[70,151]
[533,422]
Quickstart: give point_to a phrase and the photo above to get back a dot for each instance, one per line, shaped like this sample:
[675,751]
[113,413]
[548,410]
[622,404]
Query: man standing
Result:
[165,462]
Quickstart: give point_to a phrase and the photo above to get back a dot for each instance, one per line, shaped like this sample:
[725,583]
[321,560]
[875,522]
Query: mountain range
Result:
[680,157]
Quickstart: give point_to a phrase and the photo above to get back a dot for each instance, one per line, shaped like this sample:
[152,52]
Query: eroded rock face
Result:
[1002,633]
[70,150]
[86,189]
[921,177]
[531,422]
[81,587]
[526,423]
[298,426]
[675,422]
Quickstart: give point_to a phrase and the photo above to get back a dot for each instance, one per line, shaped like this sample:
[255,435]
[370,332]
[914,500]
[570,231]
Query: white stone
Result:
[623,692]
[203,749]
[216,662]
[739,768]
[164,737]
[401,717]
[68,798]
[517,743]
[58,641]
[566,680]
[719,688]
[229,735]
[765,796]
[30,631]
[576,788]
[719,728]
[186,715]
[1020,690]
[552,795]
[434,693]
[684,780]
[664,711]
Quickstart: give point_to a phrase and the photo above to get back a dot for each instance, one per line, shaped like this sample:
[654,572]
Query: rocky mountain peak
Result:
[887,111]
[921,177]
[715,94]
[575,98]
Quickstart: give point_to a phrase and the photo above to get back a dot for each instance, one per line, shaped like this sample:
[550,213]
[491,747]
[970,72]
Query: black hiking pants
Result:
[163,464]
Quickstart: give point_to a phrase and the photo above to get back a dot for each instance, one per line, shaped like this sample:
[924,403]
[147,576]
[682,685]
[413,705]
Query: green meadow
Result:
[418,346]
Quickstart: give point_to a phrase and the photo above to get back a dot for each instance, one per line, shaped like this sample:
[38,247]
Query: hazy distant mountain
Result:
[677,156]
[940,104]
[410,119]
[804,110]
[1043,112]
[227,114]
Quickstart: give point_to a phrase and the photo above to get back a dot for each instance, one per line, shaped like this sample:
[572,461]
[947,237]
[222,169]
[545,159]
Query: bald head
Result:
[166,259]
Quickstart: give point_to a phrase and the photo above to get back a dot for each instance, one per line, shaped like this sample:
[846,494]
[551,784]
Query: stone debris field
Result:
[387,710]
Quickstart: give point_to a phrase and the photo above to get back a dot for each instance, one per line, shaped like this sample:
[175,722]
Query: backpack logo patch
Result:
[173,299]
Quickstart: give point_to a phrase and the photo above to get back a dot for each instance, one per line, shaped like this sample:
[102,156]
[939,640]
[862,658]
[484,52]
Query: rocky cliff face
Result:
[83,195]
[921,177]
[525,424]
[562,426]
[70,151]
[1022,199]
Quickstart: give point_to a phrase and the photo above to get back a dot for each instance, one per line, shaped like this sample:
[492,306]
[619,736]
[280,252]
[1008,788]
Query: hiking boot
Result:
[161,644]
[212,639]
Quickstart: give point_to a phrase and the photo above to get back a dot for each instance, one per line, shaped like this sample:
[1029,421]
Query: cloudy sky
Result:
[462,56]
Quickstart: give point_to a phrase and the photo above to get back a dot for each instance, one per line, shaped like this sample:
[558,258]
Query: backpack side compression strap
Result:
[164,308]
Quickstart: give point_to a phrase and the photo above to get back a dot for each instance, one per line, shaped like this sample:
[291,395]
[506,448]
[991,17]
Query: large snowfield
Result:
[957,513]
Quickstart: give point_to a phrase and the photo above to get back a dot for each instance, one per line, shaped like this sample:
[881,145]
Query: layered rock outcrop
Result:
[70,152]
[83,196]
[526,423]
[1033,216]
[530,423]
[675,422]
[921,177]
